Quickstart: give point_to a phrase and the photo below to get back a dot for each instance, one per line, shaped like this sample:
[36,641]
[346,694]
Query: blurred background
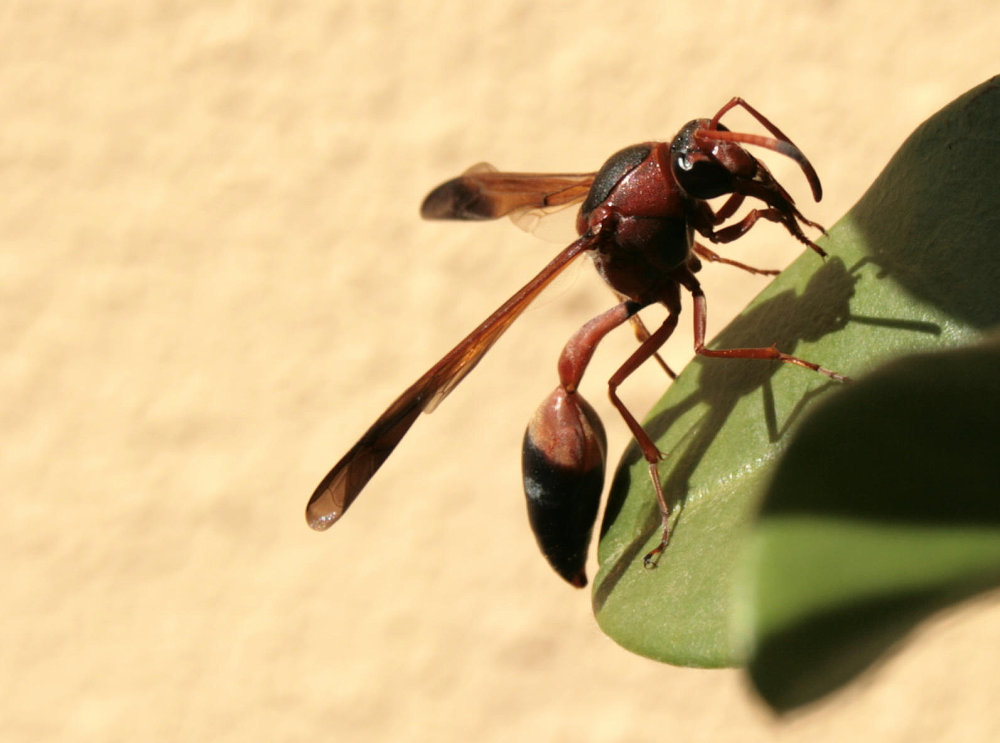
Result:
[214,278]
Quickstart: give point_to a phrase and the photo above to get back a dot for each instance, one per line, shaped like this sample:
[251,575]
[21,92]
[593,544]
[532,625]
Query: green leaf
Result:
[913,267]
[845,564]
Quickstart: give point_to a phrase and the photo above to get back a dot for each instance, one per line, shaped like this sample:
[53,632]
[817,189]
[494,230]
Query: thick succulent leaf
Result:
[912,267]
[844,564]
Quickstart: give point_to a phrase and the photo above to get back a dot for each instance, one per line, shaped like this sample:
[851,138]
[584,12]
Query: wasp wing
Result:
[344,482]
[483,192]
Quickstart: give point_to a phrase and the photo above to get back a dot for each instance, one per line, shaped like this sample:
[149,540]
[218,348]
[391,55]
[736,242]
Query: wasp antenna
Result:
[795,154]
[781,146]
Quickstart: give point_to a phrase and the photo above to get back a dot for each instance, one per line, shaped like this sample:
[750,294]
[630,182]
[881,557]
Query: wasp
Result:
[639,220]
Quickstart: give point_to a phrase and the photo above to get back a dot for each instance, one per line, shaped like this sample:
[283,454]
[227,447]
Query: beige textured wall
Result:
[213,277]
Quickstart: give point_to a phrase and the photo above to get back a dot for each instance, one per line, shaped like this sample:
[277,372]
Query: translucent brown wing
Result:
[348,477]
[482,192]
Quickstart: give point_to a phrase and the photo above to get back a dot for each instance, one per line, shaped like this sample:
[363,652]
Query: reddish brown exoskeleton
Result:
[638,220]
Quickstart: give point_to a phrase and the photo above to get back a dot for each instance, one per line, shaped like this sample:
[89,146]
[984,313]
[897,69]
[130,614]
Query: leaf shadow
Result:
[785,320]
[928,222]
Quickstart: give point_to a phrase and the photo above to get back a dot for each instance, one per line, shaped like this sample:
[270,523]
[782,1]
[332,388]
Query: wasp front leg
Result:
[780,210]
[771,214]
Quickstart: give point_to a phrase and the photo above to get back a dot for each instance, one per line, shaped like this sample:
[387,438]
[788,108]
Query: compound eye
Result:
[701,177]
